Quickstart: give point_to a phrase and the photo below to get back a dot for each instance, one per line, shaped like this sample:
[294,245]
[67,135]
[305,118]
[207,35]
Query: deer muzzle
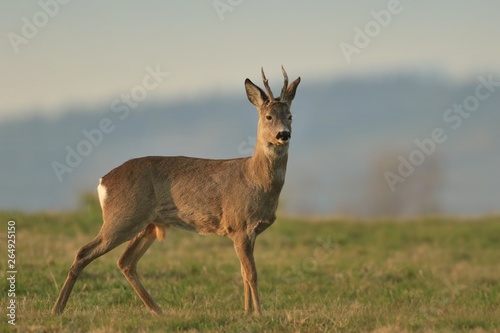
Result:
[284,135]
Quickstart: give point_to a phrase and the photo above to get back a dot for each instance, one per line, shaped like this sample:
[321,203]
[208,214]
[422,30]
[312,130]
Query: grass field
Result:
[340,275]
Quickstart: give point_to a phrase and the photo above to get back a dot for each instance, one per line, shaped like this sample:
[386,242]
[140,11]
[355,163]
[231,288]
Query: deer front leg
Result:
[246,288]
[244,249]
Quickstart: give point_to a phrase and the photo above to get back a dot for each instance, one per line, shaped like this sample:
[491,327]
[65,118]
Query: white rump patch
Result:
[102,193]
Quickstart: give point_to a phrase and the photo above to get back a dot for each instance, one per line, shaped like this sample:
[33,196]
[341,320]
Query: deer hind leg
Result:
[128,264]
[85,255]
[244,249]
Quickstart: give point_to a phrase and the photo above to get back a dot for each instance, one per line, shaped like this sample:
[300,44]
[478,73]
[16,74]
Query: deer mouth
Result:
[280,144]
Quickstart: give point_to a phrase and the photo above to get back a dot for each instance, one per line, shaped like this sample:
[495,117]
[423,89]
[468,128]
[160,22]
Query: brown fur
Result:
[237,198]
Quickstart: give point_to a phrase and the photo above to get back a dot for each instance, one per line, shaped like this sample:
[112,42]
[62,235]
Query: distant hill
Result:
[347,133]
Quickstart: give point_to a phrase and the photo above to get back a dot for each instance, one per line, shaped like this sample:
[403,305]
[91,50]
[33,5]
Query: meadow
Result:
[331,275]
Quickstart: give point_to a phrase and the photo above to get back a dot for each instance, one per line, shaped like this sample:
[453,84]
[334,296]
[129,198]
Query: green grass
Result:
[340,275]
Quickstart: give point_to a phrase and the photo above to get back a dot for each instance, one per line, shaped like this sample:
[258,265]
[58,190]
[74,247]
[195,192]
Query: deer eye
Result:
[290,117]
[268,117]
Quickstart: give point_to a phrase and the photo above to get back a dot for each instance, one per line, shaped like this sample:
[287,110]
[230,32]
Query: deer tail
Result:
[160,232]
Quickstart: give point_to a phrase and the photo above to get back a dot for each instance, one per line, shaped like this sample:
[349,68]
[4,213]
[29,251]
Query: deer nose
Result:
[283,135]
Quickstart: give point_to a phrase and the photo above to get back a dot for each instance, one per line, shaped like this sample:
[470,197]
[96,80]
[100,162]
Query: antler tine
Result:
[266,85]
[285,84]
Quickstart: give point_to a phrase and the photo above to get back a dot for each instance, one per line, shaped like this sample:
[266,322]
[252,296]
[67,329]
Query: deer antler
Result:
[285,84]
[266,85]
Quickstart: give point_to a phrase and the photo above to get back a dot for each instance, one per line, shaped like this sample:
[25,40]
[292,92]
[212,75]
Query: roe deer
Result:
[237,198]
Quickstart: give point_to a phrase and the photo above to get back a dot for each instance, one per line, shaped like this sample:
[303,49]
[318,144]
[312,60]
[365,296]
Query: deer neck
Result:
[267,166]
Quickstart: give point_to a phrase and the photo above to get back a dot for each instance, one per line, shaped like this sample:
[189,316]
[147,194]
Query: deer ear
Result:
[290,92]
[255,95]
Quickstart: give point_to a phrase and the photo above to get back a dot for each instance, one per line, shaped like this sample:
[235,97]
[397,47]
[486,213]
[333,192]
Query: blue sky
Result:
[91,52]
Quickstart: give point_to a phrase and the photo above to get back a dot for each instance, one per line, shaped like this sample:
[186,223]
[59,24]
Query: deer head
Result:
[275,119]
